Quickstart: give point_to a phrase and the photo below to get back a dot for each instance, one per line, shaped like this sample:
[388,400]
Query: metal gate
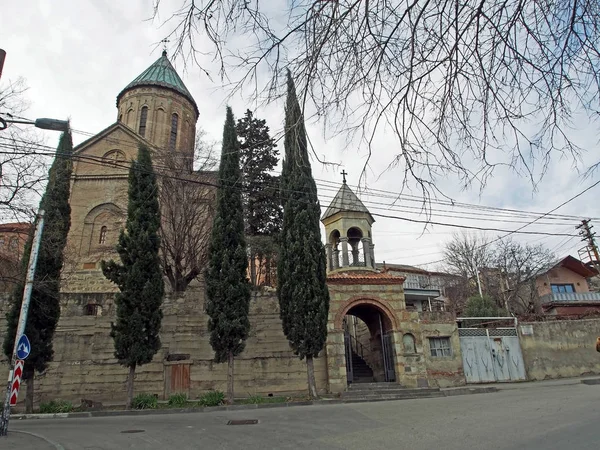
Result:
[491,355]
[388,357]
[348,348]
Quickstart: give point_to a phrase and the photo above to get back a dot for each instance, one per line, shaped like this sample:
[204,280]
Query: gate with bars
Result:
[491,355]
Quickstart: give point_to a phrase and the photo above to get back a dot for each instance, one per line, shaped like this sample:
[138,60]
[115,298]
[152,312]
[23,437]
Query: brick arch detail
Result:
[378,303]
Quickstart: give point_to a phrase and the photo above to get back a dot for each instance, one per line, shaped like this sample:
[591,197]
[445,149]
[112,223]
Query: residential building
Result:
[564,289]
[13,237]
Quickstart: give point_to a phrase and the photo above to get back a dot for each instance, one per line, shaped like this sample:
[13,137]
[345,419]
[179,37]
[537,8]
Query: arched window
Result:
[173,137]
[143,118]
[408,340]
[103,233]
[120,117]
[114,158]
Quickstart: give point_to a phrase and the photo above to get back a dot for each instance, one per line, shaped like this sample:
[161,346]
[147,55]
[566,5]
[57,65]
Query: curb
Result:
[591,381]
[208,409]
[56,445]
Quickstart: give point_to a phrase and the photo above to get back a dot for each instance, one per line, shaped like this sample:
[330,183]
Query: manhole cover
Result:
[132,431]
[243,422]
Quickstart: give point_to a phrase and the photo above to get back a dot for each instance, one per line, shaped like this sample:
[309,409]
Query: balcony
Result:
[571,297]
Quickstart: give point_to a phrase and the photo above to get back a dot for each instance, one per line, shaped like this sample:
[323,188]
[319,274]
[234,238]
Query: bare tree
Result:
[520,265]
[187,198]
[507,271]
[466,253]
[23,173]
[465,86]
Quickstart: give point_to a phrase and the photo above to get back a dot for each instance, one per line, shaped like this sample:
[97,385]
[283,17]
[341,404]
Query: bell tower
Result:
[158,106]
[348,229]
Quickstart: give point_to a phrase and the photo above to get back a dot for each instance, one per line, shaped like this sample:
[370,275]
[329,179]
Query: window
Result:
[120,117]
[14,243]
[562,288]
[103,232]
[440,347]
[114,158]
[92,310]
[409,343]
[173,138]
[143,118]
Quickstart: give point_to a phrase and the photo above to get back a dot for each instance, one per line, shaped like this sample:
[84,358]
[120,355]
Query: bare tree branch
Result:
[23,174]
[466,87]
[187,210]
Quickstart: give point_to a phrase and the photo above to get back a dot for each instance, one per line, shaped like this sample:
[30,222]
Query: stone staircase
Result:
[361,371]
[370,392]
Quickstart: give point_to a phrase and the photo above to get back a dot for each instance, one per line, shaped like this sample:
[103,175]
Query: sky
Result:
[76,56]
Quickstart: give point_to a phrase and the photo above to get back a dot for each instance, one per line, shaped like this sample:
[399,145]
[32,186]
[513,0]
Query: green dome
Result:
[162,74]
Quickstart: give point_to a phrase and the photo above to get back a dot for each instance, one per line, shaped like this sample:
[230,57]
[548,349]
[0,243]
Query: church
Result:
[375,332]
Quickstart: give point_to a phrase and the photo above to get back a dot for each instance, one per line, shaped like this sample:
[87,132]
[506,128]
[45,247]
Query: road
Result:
[532,417]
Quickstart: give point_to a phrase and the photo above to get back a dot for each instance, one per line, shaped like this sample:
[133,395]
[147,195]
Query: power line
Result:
[378,193]
[99,161]
[372,204]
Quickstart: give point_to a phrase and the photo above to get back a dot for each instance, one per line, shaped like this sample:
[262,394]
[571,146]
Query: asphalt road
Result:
[531,417]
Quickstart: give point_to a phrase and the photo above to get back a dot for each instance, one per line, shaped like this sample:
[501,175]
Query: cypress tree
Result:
[263,212]
[301,288]
[138,275]
[227,288]
[44,307]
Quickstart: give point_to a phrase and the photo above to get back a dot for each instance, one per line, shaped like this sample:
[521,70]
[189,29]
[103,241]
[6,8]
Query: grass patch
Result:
[178,400]
[56,406]
[212,398]
[144,401]
[258,399]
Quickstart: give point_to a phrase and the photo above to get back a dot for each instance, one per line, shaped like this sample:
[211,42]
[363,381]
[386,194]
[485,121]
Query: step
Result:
[384,393]
[377,385]
[376,398]
[402,392]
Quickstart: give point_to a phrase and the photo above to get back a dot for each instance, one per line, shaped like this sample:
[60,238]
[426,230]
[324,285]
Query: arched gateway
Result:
[371,335]
[363,335]
[368,327]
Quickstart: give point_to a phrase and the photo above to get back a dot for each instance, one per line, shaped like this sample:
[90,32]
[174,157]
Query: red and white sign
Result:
[16,381]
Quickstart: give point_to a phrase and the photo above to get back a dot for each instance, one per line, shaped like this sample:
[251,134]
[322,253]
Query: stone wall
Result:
[84,364]
[421,368]
[557,349]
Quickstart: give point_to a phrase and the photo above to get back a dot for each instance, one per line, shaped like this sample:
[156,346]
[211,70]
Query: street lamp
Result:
[44,124]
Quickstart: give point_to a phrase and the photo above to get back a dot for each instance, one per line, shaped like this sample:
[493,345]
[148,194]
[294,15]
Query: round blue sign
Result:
[23,347]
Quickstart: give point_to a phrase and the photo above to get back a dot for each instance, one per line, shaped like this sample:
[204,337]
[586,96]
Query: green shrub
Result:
[178,400]
[56,406]
[144,401]
[255,399]
[212,398]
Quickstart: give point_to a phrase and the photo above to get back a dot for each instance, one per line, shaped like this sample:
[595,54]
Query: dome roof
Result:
[161,73]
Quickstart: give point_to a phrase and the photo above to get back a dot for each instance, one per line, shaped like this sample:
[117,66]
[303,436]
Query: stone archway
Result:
[361,343]
[368,344]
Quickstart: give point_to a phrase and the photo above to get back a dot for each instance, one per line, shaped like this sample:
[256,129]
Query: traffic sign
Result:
[23,347]
[16,381]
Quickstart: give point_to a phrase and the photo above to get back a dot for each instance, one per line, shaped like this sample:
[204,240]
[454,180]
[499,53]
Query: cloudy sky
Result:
[77,55]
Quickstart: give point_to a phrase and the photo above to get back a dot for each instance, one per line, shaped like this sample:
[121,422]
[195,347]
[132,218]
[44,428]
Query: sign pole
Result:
[33,256]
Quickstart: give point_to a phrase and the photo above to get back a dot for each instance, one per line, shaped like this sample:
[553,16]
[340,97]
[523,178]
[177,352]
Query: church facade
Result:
[372,336]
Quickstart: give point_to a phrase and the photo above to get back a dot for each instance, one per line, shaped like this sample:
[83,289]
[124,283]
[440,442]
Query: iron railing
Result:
[356,346]
[571,297]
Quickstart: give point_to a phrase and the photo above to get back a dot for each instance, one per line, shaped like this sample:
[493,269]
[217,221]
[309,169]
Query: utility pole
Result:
[585,230]
[478,280]
[2,58]
[33,256]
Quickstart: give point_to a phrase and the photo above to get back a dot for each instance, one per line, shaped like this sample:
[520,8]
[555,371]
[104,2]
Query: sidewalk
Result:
[18,440]
[591,379]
